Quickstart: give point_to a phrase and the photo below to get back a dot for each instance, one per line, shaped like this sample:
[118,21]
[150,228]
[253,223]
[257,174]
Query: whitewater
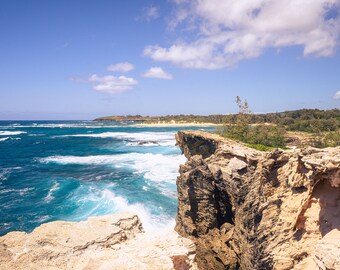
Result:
[70,170]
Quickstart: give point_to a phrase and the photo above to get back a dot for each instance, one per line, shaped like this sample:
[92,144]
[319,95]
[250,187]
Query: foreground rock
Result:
[247,209]
[107,242]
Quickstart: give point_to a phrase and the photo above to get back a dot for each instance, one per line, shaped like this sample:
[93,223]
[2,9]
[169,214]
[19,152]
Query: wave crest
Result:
[9,133]
[155,167]
[150,138]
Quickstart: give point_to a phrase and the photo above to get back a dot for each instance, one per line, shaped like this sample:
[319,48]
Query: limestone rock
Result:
[247,209]
[107,242]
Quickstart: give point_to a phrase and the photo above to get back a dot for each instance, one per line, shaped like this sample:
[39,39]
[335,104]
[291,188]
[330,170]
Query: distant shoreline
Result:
[176,125]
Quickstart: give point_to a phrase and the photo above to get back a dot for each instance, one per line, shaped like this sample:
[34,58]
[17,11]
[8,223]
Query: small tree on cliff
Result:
[241,129]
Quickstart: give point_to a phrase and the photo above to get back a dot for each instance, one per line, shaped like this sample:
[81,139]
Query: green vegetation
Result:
[306,120]
[319,128]
[260,136]
[273,136]
[329,139]
[315,125]
[122,118]
[181,118]
[260,147]
[332,139]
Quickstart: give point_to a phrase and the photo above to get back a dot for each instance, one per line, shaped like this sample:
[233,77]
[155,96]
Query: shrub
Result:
[260,147]
[271,136]
[265,135]
[330,139]
[315,125]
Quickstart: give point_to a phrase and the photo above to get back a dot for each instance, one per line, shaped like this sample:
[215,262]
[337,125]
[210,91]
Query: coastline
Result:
[192,124]
[244,190]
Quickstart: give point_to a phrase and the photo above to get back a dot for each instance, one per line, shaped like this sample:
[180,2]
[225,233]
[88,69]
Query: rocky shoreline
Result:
[238,208]
[108,242]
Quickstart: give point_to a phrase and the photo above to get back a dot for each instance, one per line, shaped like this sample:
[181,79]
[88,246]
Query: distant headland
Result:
[285,118]
[298,128]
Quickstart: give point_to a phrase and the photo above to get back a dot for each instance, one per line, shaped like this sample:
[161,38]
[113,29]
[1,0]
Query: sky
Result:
[82,59]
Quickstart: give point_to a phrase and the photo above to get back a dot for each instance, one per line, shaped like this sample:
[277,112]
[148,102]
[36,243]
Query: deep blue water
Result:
[70,170]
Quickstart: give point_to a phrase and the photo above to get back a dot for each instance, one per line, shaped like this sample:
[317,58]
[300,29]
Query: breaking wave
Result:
[49,197]
[155,167]
[147,138]
[10,133]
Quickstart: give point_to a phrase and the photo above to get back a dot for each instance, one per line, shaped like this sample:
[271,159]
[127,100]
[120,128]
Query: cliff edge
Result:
[247,209]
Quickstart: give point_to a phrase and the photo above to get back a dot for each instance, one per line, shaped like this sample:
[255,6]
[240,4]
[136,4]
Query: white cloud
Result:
[337,95]
[157,72]
[152,13]
[149,13]
[111,84]
[230,31]
[121,67]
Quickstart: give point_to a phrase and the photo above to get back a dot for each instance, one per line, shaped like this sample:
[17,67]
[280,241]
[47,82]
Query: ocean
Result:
[70,170]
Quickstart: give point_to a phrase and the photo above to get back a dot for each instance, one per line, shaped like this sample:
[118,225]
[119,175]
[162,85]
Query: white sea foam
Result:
[151,138]
[10,133]
[106,201]
[43,219]
[122,205]
[9,138]
[36,135]
[68,125]
[49,197]
[5,172]
[4,191]
[22,191]
[155,167]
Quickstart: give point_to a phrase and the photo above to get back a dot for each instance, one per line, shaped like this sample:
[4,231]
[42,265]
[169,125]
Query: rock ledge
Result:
[107,242]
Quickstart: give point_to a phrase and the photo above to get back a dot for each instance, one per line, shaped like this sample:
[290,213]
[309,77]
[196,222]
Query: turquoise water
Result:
[70,170]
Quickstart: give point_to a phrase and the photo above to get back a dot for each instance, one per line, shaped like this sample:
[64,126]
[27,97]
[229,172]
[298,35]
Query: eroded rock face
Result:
[247,209]
[107,242]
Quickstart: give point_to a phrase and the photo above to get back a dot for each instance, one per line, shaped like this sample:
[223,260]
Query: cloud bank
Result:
[227,32]
[157,72]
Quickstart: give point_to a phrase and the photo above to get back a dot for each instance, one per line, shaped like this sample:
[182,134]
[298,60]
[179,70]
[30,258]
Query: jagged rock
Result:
[247,209]
[107,242]
[141,143]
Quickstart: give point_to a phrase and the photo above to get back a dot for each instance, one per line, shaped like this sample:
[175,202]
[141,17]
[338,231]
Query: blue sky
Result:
[81,59]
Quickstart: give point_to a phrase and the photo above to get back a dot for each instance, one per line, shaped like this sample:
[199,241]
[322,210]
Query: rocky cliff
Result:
[247,209]
[113,242]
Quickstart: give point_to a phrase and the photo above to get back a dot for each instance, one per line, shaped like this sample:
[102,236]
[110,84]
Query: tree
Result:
[256,135]
[240,129]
